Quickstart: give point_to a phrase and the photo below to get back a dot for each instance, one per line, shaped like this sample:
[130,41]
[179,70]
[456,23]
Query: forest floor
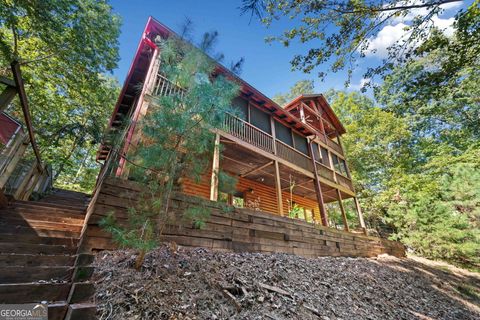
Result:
[200,284]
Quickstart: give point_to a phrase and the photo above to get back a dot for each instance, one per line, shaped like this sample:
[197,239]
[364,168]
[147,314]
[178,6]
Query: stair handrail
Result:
[17,77]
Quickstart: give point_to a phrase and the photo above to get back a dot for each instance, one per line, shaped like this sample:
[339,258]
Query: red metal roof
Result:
[8,127]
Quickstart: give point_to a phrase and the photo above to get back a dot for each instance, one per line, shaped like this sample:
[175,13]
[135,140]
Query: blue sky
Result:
[266,67]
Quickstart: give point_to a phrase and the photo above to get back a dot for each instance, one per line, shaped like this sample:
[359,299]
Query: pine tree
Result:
[177,142]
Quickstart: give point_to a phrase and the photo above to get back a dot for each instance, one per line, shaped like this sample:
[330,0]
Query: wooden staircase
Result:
[39,259]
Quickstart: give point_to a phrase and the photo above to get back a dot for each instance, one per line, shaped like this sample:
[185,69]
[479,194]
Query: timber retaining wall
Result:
[232,229]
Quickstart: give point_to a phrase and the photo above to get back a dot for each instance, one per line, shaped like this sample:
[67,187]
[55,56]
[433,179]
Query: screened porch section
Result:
[287,144]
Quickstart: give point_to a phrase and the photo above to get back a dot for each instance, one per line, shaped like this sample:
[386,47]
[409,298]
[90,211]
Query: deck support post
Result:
[215,169]
[360,215]
[342,209]
[318,188]
[278,188]
[278,182]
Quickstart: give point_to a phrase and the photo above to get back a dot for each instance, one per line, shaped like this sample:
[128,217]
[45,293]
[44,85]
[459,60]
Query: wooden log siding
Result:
[240,230]
[253,192]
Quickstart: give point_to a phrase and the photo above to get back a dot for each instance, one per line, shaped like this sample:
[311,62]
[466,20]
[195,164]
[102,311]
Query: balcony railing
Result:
[248,133]
[335,146]
[344,181]
[288,153]
[165,87]
[325,171]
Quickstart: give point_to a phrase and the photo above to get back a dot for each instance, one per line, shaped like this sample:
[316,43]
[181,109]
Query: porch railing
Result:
[248,133]
[344,181]
[165,87]
[288,153]
[335,146]
[325,171]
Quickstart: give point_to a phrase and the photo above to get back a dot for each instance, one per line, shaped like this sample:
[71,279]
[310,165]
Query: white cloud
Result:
[444,24]
[360,85]
[378,45]
[412,13]
[396,30]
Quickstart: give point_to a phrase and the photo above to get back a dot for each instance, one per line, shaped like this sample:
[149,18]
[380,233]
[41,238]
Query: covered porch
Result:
[270,183]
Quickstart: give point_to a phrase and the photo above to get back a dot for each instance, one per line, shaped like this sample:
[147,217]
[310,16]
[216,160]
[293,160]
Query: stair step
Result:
[46,209]
[66,199]
[57,311]
[39,225]
[36,239]
[35,260]
[81,311]
[38,204]
[30,248]
[33,292]
[8,229]
[41,216]
[35,274]
[73,192]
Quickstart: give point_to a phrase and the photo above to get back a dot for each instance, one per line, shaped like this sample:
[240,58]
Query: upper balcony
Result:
[266,142]
[283,141]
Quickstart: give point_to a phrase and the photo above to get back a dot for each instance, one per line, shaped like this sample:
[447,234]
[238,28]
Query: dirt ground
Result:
[200,284]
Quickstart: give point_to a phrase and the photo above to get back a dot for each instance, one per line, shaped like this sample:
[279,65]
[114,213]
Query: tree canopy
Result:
[341,32]
[65,49]
[413,149]
[177,142]
[299,88]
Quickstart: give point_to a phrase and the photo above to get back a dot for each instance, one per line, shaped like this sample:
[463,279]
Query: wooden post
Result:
[17,76]
[302,114]
[322,129]
[274,135]
[215,169]
[10,167]
[342,209]
[360,216]
[7,96]
[278,188]
[278,182]
[18,195]
[318,188]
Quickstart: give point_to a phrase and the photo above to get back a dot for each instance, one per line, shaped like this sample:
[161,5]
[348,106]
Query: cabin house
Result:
[285,157]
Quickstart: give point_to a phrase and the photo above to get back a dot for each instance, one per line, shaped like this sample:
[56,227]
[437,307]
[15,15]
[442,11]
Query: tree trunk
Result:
[140,259]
